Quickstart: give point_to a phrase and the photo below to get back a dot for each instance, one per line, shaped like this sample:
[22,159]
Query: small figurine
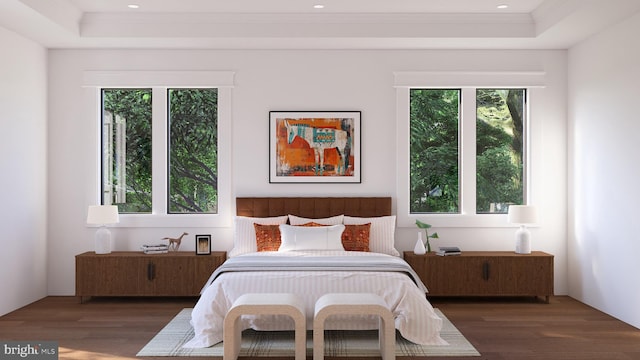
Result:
[174,243]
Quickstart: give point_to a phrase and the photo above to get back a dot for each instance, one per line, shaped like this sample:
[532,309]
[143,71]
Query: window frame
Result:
[159,82]
[468,82]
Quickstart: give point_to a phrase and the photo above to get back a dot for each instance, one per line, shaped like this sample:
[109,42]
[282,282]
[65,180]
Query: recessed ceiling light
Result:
[502,6]
[133,6]
[318,6]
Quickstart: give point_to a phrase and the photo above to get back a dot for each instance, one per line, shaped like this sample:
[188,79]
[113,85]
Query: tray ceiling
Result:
[297,24]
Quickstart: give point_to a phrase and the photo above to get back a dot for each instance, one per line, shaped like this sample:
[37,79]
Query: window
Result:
[170,167]
[193,139]
[436,121]
[481,192]
[126,149]
[499,149]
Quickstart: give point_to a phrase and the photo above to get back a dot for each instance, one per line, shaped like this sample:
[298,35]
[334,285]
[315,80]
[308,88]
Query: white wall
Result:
[23,139]
[297,80]
[603,199]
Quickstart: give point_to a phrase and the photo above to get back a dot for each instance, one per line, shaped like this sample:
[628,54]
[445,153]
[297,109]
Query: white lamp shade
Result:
[103,214]
[522,214]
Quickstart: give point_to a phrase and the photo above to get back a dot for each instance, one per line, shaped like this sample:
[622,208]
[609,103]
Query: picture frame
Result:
[314,147]
[203,244]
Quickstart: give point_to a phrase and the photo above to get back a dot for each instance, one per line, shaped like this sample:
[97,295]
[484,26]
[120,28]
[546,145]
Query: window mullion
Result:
[224,153]
[468,151]
[526,147]
[159,150]
[402,153]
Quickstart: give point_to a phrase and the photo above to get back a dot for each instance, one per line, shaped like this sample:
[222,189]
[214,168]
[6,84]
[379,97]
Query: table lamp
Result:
[523,214]
[103,215]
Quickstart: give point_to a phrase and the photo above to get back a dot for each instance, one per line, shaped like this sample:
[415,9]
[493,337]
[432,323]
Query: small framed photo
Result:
[203,244]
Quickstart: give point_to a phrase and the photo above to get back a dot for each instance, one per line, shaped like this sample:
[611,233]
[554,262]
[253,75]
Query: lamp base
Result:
[523,241]
[103,241]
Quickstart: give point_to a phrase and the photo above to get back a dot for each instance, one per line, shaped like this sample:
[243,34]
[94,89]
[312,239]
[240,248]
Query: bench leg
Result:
[387,338]
[318,343]
[300,335]
[231,339]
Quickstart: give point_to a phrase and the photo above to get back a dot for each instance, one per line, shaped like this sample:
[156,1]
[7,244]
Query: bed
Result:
[277,249]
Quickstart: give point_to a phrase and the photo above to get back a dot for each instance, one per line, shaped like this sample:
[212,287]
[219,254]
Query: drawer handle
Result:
[151,271]
[485,271]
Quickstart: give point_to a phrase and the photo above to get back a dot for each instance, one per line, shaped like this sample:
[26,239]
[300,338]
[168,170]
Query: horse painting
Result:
[321,139]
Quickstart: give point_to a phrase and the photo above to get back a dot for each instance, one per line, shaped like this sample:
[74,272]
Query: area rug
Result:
[168,342]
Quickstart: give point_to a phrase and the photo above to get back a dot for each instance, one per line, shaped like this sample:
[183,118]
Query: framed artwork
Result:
[314,147]
[203,244]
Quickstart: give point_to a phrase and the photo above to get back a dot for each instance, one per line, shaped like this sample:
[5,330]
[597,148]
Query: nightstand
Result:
[485,273]
[133,273]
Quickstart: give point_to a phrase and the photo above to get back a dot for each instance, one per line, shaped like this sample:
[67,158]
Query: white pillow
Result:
[311,238]
[381,235]
[334,220]
[244,236]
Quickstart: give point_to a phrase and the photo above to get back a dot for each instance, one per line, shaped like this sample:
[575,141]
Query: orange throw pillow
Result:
[267,237]
[356,237]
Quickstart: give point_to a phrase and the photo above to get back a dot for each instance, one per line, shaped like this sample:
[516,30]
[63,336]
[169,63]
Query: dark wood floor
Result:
[501,329]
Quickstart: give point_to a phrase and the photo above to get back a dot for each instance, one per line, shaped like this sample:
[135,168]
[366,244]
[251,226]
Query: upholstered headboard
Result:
[313,207]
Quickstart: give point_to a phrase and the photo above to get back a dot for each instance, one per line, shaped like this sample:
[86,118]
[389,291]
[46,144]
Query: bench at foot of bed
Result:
[354,304]
[264,304]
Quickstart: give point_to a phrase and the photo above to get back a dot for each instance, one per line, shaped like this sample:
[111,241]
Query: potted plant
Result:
[426,228]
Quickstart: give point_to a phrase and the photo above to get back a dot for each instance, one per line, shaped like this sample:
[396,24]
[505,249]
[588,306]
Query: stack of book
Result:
[155,249]
[448,251]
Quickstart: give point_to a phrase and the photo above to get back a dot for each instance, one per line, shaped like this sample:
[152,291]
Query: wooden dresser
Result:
[485,273]
[133,273]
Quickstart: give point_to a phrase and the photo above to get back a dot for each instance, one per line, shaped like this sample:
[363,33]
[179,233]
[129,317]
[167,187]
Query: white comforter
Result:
[414,315]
